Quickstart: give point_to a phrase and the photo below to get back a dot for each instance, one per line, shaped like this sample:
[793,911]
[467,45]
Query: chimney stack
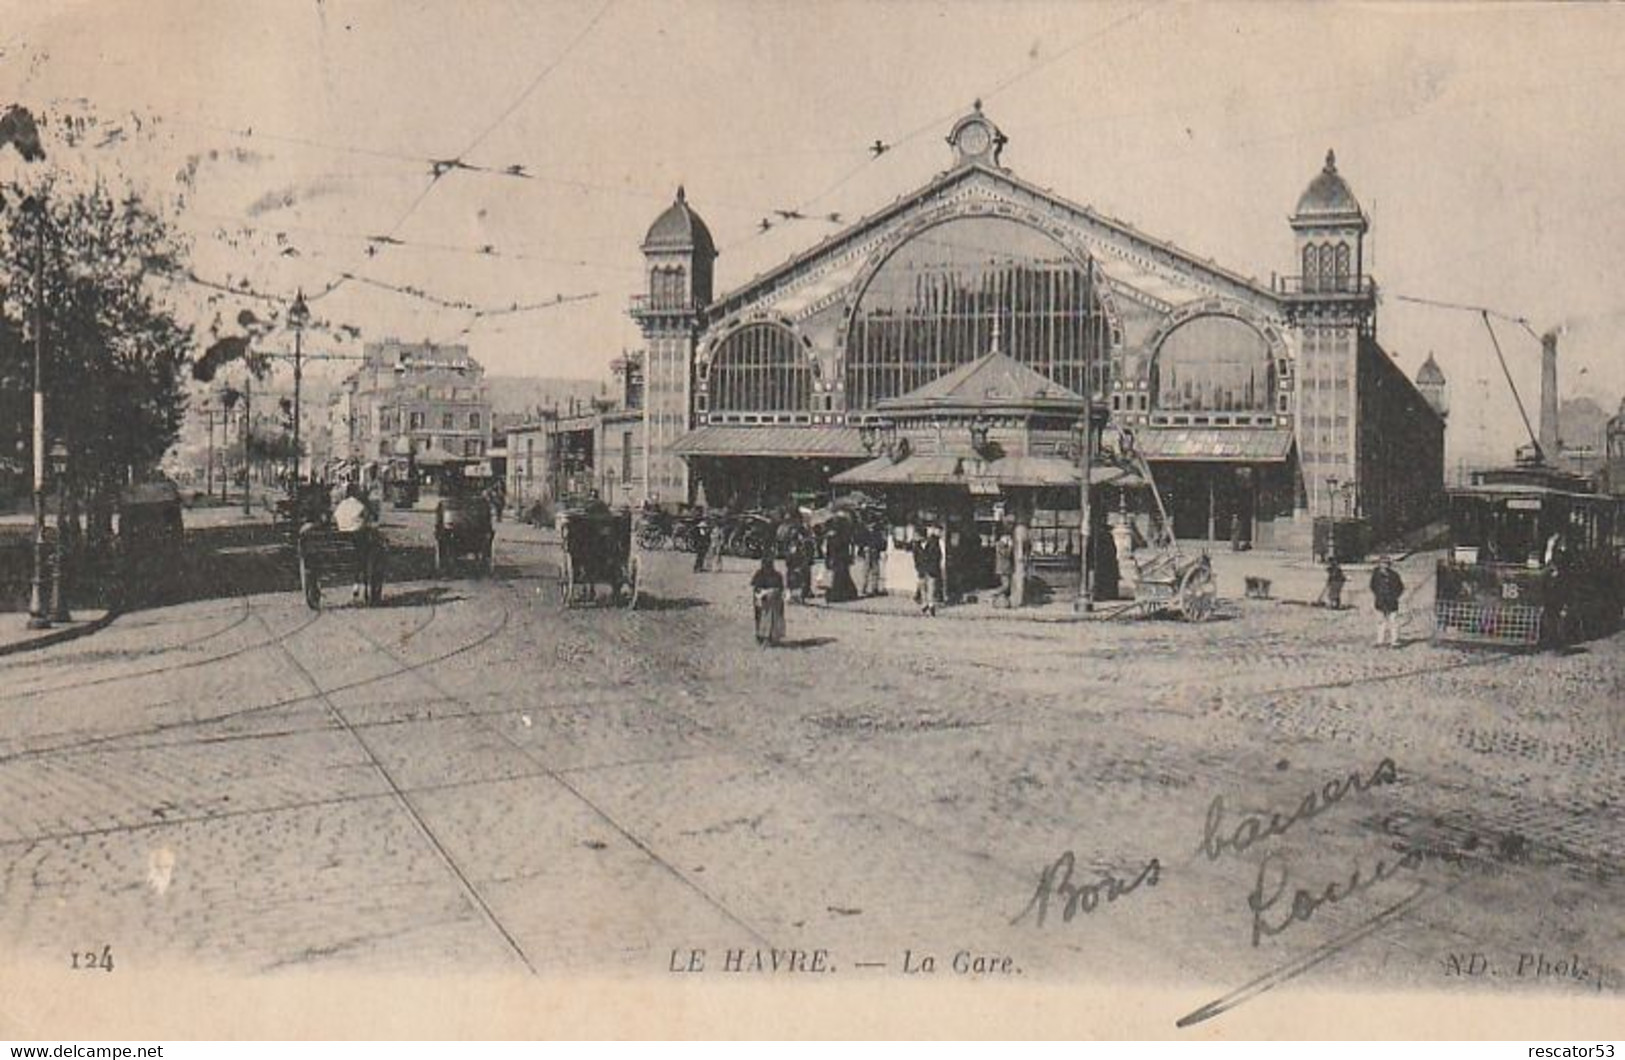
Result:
[1549,438]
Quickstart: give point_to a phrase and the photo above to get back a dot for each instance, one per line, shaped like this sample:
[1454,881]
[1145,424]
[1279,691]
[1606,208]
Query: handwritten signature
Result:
[1056,882]
[1276,901]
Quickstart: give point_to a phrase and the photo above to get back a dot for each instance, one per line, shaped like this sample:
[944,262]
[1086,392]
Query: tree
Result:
[113,353]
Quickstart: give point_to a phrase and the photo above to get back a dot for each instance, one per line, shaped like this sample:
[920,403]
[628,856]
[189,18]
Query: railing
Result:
[645,304]
[1347,286]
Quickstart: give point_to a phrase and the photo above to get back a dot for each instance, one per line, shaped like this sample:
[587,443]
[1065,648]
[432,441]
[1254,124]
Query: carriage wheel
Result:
[632,584]
[566,581]
[1197,594]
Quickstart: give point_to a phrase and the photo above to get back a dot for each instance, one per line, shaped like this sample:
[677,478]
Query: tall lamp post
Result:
[1085,431]
[298,316]
[59,468]
[37,617]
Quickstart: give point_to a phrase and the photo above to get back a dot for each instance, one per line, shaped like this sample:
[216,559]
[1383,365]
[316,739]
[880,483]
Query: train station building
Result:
[979,316]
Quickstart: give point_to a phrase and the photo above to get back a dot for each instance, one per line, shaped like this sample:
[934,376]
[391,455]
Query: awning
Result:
[777,440]
[977,476]
[434,456]
[1244,445]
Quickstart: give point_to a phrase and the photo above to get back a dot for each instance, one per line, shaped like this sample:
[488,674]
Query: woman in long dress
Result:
[767,594]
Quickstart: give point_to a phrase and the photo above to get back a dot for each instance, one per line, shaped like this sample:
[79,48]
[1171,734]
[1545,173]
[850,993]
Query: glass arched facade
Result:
[931,308]
[760,368]
[1213,364]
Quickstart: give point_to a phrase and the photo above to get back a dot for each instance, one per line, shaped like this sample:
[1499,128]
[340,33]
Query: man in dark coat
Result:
[1386,589]
[928,567]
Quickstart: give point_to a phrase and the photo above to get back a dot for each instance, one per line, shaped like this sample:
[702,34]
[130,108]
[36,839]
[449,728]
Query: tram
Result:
[1537,558]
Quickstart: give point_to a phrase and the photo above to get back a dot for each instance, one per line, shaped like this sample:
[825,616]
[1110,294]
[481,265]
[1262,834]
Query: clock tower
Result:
[975,139]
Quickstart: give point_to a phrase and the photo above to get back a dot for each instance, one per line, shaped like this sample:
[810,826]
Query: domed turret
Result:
[678,251]
[680,228]
[1330,228]
[1328,196]
[1431,382]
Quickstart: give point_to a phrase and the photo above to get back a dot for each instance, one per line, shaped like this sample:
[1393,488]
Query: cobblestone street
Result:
[472,779]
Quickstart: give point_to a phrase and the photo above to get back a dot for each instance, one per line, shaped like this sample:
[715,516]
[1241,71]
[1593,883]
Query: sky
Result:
[284,136]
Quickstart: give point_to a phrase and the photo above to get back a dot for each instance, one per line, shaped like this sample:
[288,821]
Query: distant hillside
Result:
[518,397]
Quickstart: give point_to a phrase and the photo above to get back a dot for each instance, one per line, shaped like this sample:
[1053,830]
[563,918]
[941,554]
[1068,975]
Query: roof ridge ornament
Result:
[1331,161]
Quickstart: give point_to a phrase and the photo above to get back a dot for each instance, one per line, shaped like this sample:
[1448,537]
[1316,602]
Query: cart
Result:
[1166,579]
[328,556]
[463,528]
[1169,581]
[595,546]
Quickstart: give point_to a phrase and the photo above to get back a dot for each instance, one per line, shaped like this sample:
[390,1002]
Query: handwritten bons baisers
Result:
[1273,907]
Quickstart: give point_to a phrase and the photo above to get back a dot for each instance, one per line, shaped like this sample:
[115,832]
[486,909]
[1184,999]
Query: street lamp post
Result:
[298,316]
[1086,592]
[59,468]
[248,442]
[1094,419]
[37,617]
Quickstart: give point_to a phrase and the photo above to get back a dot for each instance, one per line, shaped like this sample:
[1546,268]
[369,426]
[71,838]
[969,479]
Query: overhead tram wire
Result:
[997,87]
[441,168]
[1484,314]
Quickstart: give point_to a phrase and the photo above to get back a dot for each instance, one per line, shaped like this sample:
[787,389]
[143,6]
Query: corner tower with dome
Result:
[678,255]
[1260,404]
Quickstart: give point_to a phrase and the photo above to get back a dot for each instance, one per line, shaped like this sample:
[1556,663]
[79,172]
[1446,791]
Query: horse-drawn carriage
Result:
[463,527]
[595,546]
[335,558]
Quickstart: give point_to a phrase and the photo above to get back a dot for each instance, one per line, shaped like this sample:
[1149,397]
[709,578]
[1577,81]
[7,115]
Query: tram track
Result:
[404,801]
[103,740]
[559,778]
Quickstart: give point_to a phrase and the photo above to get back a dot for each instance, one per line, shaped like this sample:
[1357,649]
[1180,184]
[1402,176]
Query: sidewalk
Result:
[1292,579]
[15,636]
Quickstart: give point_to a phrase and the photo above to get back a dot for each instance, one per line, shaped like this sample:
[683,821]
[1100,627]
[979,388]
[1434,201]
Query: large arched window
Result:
[931,308]
[1213,363]
[760,368]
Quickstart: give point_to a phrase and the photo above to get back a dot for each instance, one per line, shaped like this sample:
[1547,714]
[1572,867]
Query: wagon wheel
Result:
[1197,593]
[311,584]
[566,580]
[632,583]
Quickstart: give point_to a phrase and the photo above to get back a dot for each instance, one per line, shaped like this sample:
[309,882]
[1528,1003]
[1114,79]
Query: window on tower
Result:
[1311,267]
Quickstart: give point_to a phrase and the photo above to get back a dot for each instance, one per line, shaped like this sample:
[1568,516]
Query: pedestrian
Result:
[798,561]
[702,542]
[767,598]
[1332,595]
[1386,589]
[874,552]
[928,566]
[1004,564]
[838,557]
[354,518]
